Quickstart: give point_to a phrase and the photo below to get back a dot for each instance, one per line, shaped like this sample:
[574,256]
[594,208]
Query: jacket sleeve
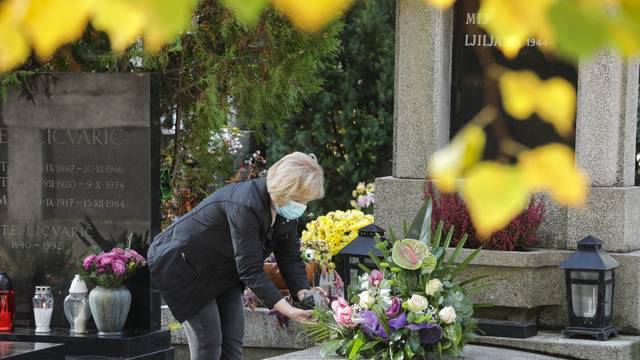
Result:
[288,257]
[247,247]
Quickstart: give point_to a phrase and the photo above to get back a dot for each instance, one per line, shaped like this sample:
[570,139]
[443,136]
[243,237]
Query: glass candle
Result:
[43,308]
[76,306]
[7,303]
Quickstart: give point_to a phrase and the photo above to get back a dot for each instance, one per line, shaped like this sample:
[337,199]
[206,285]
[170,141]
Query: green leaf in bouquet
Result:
[447,240]
[397,355]
[414,342]
[408,352]
[375,259]
[383,246]
[405,229]
[358,342]
[396,336]
[437,236]
[474,279]
[458,249]
[421,226]
[392,236]
[330,347]
[453,332]
[409,254]
[369,345]
[465,263]
[364,268]
[429,264]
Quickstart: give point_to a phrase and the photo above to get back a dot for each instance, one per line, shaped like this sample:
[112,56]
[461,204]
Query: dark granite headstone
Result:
[79,163]
[472,49]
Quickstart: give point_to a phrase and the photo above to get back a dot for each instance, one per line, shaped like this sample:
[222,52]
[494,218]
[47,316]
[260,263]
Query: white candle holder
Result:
[76,306]
[43,308]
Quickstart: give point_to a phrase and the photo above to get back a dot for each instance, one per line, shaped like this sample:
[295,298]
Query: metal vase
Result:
[110,307]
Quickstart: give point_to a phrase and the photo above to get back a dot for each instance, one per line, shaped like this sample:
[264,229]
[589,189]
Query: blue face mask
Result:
[292,210]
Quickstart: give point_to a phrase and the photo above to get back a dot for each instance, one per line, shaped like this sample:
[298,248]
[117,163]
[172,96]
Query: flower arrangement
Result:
[325,236]
[521,232]
[363,196]
[111,269]
[411,306]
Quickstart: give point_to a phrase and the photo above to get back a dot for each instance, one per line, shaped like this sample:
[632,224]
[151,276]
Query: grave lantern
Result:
[357,252]
[590,282]
[43,308]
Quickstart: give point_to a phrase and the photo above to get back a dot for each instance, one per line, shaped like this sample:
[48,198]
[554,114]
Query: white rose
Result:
[366,300]
[447,315]
[433,286]
[417,303]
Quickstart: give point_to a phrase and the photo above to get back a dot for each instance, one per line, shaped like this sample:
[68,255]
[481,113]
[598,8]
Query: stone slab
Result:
[607,104]
[519,279]
[472,352]
[422,85]
[528,285]
[397,200]
[261,331]
[611,214]
[620,348]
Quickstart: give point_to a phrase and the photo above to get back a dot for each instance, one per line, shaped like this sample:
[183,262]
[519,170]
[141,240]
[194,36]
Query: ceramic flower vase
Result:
[110,307]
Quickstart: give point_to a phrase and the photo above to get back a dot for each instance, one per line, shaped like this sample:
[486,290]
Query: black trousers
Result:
[216,332]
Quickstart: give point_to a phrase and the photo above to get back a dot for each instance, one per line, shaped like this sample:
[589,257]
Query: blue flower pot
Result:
[110,307]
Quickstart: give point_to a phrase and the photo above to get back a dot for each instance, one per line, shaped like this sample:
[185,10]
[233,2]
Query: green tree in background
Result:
[348,125]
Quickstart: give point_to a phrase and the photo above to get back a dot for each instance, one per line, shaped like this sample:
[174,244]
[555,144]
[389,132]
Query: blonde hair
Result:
[297,177]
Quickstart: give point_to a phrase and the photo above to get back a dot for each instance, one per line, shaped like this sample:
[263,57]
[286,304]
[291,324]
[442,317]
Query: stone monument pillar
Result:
[421,110]
[607,88]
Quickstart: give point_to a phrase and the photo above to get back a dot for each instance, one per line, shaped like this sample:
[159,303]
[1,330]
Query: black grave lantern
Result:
[590,280]
[357,252]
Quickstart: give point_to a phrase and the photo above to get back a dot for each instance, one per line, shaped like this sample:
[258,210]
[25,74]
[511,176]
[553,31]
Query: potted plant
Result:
[110,299]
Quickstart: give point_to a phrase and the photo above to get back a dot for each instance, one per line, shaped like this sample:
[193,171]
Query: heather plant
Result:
[520,233]
[111,269]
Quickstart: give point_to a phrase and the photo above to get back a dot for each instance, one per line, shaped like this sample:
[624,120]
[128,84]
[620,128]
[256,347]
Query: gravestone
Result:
[472,52]
[79,169]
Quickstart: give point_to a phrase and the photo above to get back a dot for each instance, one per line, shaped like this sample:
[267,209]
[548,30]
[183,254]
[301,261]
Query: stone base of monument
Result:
[261,331]
[470,352]
[502,328]
[623,347]
[155,345]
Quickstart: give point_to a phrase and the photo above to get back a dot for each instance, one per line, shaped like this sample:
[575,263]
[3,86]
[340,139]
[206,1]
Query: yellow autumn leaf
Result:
[14,49]
[519,93]
[513,22]
[448,164]
[51,23]
[495,194]
[556,104]
[440,4]
[311,15]
[554,100]
[166,19]
[122,20]
[552,168]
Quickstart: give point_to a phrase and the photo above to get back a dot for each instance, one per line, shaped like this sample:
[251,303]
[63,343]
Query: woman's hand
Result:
[301,316]
[297,315]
